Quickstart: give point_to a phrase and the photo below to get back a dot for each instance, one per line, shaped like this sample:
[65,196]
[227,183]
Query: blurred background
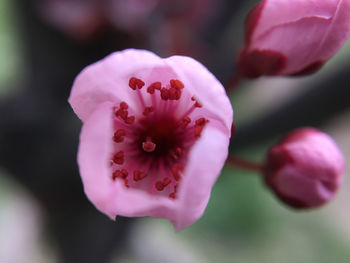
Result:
[44,215]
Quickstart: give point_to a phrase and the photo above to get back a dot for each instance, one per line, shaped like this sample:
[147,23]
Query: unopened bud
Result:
[305,169]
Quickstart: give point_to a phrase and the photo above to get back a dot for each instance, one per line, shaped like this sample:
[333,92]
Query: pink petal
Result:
[298,50]
[205,162]
[325,158]
[94,153]
[107,80]
[111,197]
[206,88]
[293,183]
[279,12]
[307,33]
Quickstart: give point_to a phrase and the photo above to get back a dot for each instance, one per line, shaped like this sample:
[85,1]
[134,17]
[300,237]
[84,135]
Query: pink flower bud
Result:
[293,37]
[305,169]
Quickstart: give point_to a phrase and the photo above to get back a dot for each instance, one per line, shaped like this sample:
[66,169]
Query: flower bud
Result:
[305,169]
[293,37]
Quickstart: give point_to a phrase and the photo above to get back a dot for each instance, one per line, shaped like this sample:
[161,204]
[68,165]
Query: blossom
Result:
[293,37]
[305,169]
[155,135]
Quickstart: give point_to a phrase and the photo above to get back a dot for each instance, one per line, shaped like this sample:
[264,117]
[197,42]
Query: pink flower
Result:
[155,135]
[305,169]
[293,37]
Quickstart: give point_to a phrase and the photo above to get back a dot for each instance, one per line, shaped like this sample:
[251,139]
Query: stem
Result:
[233,83]
[244,164]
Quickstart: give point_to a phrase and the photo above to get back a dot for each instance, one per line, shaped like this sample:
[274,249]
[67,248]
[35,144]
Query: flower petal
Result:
[299,53]
[205,87]
[94,152]
[306,33]
[107,80]
[206,159]
[112,197]
[277,13]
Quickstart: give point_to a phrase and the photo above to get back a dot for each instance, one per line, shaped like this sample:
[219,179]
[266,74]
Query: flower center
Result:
[151,143]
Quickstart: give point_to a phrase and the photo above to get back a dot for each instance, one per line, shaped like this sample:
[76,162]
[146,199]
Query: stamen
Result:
[197,103]
[175,83]
[154,86]
[166,181]
[148,110]
[123,105]
[174,93]
[176,170]
[173,133]
[159,186]
[148,145]
[184,122]
[164,94]
[123,174]
[118,158]
[138,175]
[122,113]
[176,155]
[135,83]
[199,126]
[119,135]
[129,120]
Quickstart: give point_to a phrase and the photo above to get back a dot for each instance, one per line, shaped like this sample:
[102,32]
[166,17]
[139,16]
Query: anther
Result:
[122,113]
[166,181]
[200,122]
[164,94]
[172,195]
[197,103]
[199,126]
[119,135]
[129,120]
[174,93]
[185,121]
[148,110]
[159,186]
[176,170]
[175,155]
[175,83]
[138,175]
[148,145]
[123,174]
[154,86]
[116,174]
[135,83]
[118,158]
[123,105]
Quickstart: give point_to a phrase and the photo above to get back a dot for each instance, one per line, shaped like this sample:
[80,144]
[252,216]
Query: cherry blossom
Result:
[155,135]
